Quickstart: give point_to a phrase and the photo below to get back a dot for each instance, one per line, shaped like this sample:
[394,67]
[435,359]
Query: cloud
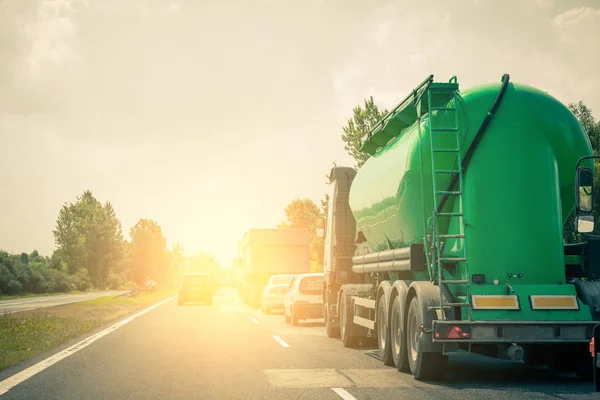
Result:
[576,16]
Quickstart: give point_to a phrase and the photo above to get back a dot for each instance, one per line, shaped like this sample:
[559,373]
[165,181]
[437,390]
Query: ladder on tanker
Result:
[443,101]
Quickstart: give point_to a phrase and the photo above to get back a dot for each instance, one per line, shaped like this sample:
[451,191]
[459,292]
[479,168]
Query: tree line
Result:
[304,213]
[91,252]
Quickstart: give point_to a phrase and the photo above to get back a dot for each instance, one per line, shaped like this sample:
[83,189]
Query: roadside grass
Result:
[24,335]
[25,295]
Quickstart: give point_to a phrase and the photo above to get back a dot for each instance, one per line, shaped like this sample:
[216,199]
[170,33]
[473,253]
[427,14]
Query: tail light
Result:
[593,347]
[453,332]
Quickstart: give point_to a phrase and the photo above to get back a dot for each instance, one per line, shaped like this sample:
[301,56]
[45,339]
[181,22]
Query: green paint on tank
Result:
[518,187]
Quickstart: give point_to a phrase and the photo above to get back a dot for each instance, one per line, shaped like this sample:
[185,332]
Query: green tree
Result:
[363,119]
[304,213]
[592,127]
[88,236]
[149,252]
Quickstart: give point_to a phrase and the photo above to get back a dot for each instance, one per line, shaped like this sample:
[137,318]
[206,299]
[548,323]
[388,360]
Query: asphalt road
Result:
[30,303]
[229,351]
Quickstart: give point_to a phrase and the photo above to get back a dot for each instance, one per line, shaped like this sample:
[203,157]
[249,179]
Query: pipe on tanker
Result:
[382,256]
[385,266]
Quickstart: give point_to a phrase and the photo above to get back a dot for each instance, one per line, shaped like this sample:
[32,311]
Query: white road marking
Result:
[343,394]
[254,320]
[280,341]
[16,379]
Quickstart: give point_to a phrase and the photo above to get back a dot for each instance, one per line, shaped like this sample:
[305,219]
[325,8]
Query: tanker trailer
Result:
[450,236]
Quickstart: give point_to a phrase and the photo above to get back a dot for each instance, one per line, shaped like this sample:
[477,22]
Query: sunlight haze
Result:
[209,117]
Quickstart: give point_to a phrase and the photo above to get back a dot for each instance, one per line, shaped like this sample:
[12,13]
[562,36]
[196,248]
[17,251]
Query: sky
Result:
[210,116]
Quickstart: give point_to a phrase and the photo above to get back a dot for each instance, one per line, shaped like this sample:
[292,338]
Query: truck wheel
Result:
[398,335]
[383,333]
[331,329]
[294,317]
[345,321]
[424,366]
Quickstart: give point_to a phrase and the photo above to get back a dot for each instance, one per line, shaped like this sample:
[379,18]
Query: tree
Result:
[88,235]
[149,252]
[304,213]
[363,119]
[592,128]
[588,122]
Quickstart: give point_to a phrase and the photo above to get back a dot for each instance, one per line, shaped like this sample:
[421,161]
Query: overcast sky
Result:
[210,116]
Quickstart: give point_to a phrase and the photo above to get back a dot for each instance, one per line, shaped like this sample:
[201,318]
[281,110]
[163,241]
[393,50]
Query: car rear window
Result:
[278,289]
[312,285]
[282,280]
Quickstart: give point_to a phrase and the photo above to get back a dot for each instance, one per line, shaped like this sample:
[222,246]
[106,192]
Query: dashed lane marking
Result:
[280,341]
[343,394]
[254,320]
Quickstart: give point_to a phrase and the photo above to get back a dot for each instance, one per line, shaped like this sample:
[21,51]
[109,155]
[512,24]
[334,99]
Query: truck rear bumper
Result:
[512,331]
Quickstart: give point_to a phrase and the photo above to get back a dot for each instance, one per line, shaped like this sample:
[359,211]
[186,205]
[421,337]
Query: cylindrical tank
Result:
[518,187]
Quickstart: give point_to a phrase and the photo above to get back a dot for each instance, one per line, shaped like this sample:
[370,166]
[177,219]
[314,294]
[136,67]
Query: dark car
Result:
[195,287]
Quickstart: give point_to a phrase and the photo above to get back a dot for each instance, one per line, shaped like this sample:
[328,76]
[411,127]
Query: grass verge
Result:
[26,334]
[25,295]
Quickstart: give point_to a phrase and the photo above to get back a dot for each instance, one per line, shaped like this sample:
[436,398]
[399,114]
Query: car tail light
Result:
[453,332]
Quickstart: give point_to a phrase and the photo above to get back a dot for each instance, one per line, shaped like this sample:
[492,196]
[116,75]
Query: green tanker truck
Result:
[450,236]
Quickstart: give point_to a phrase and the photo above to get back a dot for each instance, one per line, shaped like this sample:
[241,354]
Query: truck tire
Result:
[294,316]
[346,317]
[398,336]
[384,342]
[332,330]
[424,366]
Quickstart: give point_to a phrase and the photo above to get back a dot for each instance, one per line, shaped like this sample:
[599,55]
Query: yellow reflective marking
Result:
[554,303]
[495,302]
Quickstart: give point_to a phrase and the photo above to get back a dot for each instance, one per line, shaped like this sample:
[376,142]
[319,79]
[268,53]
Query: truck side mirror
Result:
[584,223]
[585,189]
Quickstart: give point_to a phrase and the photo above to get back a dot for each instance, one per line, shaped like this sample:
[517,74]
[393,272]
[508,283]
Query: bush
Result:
[62,281]
[130,285]
[8,282]
[81,280]
[115,281]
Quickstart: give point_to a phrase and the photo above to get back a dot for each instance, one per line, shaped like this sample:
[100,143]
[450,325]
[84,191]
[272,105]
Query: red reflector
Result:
[453,332]
[593,347]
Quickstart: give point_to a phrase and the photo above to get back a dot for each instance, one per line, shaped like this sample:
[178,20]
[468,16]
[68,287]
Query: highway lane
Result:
[229,351]
[30,303]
